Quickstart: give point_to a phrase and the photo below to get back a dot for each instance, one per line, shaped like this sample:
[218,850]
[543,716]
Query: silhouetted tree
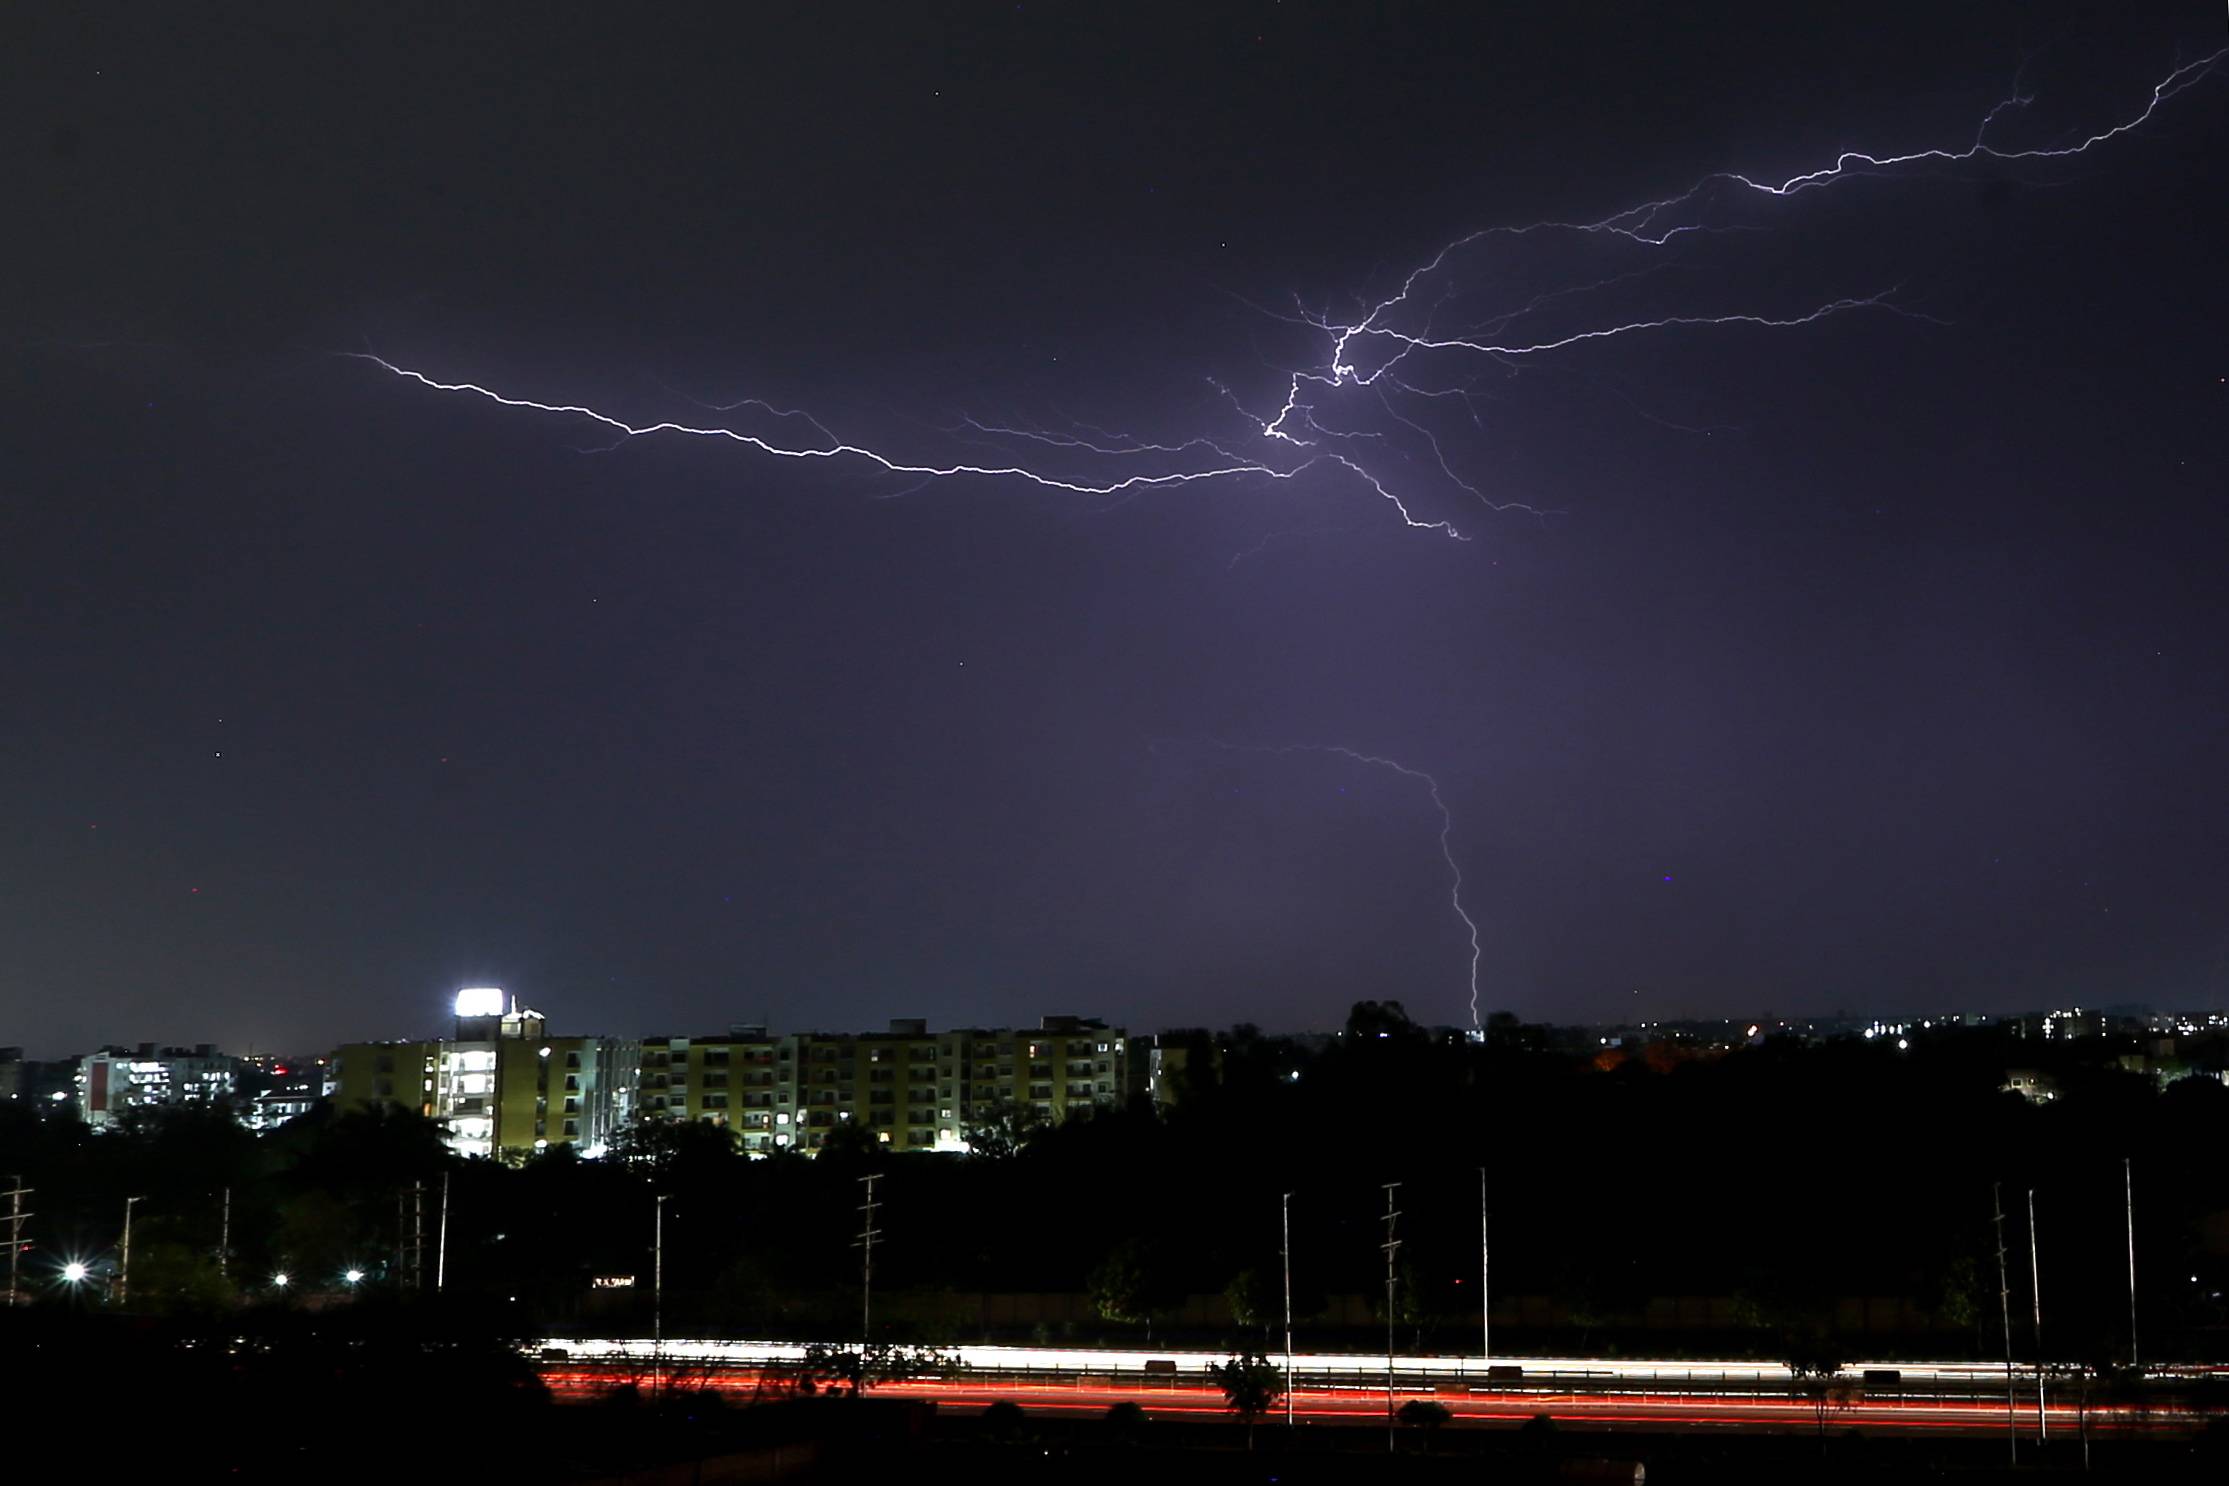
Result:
[1256,1298]
[1251,1386]
[1425,1415]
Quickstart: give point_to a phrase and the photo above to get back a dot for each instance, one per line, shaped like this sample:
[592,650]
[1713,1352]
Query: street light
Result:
[354,1276]
[124,1275]
[280,1279]
[74,1272]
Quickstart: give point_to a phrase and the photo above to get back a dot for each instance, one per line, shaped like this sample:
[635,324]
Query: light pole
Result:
[124,1271]
[441,1238]
[1391,1246]
[2004,1306]
[1485,1293]
[2035,1293]
[1285,1251]
[2128,1179]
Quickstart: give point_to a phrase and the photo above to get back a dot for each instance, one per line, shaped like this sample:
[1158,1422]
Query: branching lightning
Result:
[1431,784]
[1360,354]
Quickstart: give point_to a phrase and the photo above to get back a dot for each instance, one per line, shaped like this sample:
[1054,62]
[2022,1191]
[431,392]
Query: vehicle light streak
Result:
[1485,1406]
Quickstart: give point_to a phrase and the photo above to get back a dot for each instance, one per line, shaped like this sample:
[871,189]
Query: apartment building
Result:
[502,1085]
[917,1090]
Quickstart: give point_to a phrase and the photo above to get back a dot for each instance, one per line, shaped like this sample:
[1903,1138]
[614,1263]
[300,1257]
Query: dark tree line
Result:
[1783,1182]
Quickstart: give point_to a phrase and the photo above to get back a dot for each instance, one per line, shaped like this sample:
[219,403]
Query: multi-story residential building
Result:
[48,1084]
[116,1080]
[502,1085]
[917,1090]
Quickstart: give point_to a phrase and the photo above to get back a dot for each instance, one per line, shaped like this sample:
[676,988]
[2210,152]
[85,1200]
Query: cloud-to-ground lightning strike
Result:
[1431,784]
[1299,437]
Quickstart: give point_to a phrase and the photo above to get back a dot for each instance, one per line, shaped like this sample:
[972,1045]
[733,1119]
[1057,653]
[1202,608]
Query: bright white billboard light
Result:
[480,1001]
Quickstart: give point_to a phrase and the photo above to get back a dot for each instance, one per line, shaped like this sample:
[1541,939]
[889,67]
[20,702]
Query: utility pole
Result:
[868,1233]
[658,1297]
[2004,1305]
[1285,1251]
[2128,1178]
[1485,1292]
[2035,1293]
[224,1235]
[1391,1246]
[441,1237]
[124,1275]
[16,1216]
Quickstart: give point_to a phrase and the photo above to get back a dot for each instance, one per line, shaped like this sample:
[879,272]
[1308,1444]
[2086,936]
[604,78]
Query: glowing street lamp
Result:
[280,1279]
[74,1272]
[354,1277]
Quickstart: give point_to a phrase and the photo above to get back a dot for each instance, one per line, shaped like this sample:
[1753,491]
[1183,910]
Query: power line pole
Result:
[2128,1178]
[2004,1305]
[1285,1251]
[658,1297]
[2035,1293]
[16,1216]
[1391,1246]
[868,1233]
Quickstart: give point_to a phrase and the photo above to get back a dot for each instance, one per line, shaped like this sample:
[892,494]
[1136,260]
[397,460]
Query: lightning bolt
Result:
[1300,437]
[1431,784]
[1647,225]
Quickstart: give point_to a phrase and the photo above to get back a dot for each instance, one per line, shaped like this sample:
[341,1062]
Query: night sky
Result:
[1877,663]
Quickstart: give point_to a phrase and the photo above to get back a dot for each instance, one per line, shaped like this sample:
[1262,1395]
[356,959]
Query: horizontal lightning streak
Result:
[837,449]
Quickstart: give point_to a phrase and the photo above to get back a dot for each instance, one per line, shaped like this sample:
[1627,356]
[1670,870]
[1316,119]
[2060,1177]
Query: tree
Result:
[171,1279]
[1122,1287]
[1814,1370]
[850,1143]
[1382,1021]
[1958,1296]
[1425,1415]
[1127,1420]
[833,1368]
[1002,1421]
[1251,1384]
[672,1152]
[1256,1298]
[1000,1128]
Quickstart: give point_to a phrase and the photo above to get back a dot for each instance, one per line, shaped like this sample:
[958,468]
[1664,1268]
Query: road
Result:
[1958,1398]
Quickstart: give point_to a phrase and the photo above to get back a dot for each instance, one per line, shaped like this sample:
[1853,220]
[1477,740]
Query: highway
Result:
[1940,1397]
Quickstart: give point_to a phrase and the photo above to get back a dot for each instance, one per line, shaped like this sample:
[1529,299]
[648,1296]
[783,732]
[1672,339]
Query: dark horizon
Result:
[1877,661]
